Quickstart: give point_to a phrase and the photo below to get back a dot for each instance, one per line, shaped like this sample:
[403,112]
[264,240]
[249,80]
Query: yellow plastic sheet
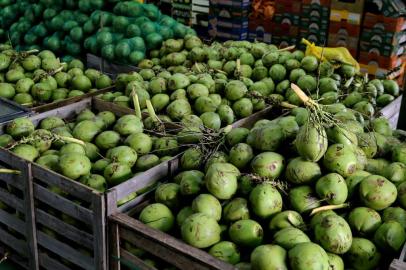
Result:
[333,55]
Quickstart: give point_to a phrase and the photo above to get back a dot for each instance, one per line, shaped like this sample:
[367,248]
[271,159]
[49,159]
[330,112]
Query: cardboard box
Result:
[388,8]
[389,38]
[325,3]
[288,6]
[374,59]
[260,25]
[309,11]
[285,30]
[344,15]
[382,49]
[237,4]
[319,38]
[356,6]
[312,25]
[258,36]
[386,24]
[345,28]
[337,40]
[229,13]
[287,18]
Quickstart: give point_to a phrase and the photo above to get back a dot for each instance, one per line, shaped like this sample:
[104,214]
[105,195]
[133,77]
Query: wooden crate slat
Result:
[50,263]
[68,101]
[65,251]
[64,229]
[14,257]
[31,227]
[13,222]
[169,248]
[11,179]
[62,204]
[100,232]
[127,207]
[249,121]
[135,261]
[63,112]
[114,246]
[18,245]
[70,186]
[11,200]
[9,158]
[118,110]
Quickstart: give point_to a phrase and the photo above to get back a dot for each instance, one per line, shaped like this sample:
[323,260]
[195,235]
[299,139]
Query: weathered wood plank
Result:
[165,246]
[72,187]
[114,247]
[133,261]
[18,245]
[100,232]
[13,222]
[118,110]
[68,101]
[62,204]
[11,200]
[250,120]
[14,257]
[68,231]
[63,112]
[11,179]
[127,207]
[65,251]
[14,161]
[143,180]
[31,227]
[51,264]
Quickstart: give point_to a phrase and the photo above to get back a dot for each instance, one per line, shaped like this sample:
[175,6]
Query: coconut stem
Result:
[329,207]
[287,48]
[306,100]
[72,140]
[9,171]
[136,102]
[5,257]
[151,111]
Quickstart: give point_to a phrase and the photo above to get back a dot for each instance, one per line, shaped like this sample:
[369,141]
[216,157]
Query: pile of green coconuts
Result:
[289,193]
[98,149]
[221,83]
[119,31]
[34,78]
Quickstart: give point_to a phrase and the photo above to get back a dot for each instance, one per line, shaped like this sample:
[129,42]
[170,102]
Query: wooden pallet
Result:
[77,217]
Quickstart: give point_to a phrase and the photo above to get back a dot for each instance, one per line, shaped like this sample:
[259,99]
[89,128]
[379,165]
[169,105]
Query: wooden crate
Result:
[124,228]
[61,103]
[78,217]
[110,69]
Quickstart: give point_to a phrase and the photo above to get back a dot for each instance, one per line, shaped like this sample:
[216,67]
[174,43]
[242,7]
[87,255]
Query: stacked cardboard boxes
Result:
[314,21]
[286,22]
[182,11]
[383,39]
[228,19]
[345,24]
[200,17]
